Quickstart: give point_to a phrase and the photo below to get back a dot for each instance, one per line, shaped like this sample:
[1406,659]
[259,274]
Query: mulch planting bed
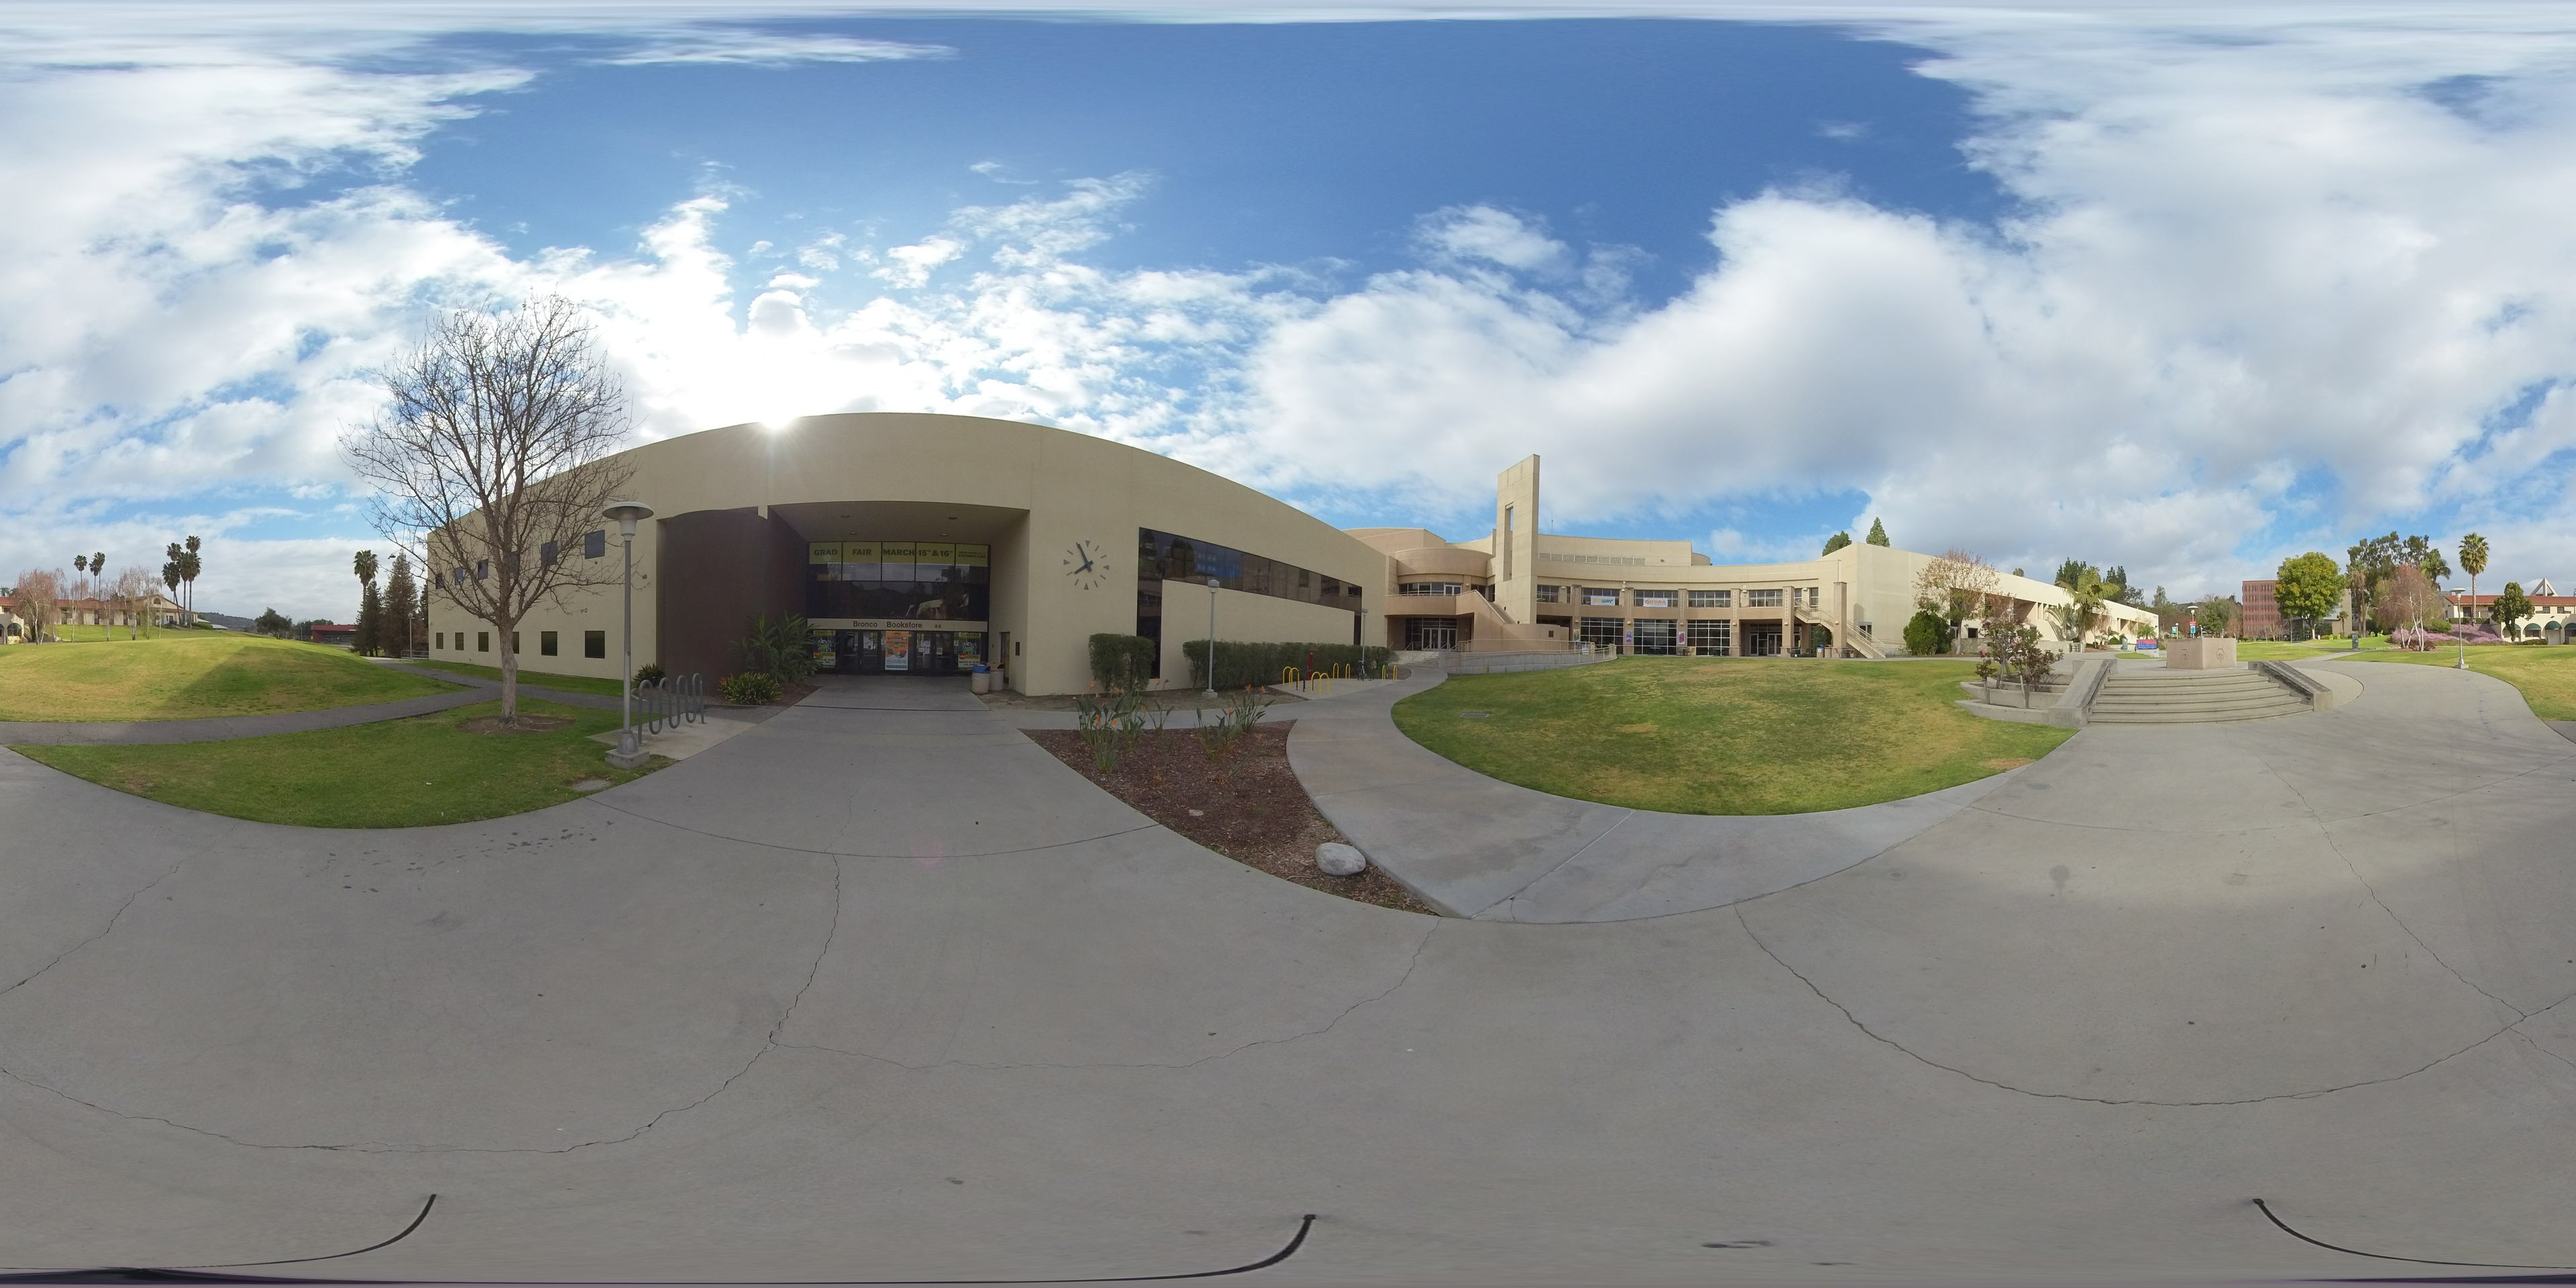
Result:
[1247,806]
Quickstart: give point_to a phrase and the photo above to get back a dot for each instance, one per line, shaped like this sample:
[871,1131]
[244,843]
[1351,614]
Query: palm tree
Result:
[2473,560]
[365,566]
[188,566]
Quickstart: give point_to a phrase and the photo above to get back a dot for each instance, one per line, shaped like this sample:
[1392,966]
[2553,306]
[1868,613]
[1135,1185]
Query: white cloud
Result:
[769,49]
[1467,233]
[2256,284]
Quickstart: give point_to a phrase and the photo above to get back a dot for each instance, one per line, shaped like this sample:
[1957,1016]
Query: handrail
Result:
[2285,673]
[2092,686]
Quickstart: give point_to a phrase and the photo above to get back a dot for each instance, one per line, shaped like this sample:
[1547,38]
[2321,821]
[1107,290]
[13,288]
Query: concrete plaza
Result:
[880,990]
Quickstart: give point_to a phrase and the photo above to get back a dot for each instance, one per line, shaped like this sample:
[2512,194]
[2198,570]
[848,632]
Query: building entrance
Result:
[1763,639]
[900,652]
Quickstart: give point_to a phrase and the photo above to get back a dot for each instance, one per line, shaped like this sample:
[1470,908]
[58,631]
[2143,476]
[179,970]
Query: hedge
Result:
[1121,661]
[1241,664]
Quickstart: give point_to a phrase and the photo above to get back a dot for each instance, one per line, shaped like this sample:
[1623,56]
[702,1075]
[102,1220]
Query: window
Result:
[1603,595]
[1655,637]
[1711,639]
[482,569]
[546,555]
[482,641]
[1547,594]
[1762,599]
[514,642]
[1712,598]
[546,643]
[594,544]
[460,574]
[594,643]
[441,640]
[1508,521]
[1430,588]
[1656,598]
[1602,633]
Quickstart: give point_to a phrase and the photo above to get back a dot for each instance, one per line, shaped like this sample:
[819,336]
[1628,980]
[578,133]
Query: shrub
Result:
[649,673]
[750,689]
[1926,633]
[1242,663]
[781,649]
[1120,662]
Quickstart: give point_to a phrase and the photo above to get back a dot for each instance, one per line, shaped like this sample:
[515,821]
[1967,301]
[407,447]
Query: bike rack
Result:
[672,702]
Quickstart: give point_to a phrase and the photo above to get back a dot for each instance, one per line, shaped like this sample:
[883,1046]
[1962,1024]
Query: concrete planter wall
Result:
[2200,653]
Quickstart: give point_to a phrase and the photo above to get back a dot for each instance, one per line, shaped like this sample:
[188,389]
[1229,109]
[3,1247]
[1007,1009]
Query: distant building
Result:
[2553,616]
[343,636]
[2263,619]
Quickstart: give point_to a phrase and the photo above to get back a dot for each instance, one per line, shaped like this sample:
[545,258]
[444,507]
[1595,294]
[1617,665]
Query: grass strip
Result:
[394,773]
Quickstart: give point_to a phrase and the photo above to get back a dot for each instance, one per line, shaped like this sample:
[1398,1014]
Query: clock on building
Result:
[1086,565]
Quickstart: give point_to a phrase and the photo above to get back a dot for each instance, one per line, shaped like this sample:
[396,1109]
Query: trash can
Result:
[981,681]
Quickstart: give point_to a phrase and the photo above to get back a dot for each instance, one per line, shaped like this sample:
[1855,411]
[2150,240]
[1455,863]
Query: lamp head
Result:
[627,514]
[1211,583]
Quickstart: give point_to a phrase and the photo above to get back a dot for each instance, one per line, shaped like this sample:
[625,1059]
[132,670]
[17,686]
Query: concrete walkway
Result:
[220,728]
[1474,846]
[879,990]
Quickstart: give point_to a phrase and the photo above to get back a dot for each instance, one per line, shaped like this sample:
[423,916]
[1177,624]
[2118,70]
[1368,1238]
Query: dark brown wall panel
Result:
[717,570]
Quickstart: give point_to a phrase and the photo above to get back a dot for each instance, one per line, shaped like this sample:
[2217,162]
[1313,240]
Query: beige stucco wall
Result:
[1067,487]
[577,610]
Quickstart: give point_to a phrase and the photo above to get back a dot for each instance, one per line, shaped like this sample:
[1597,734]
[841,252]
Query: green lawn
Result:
[2546,674]
[187,674]
[1724,735]
[394,773]
[542,679]
[2285,651]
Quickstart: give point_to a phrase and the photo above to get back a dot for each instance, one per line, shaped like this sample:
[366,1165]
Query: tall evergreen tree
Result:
[402,608]
[1837,542]
[371,622]
[1877,532]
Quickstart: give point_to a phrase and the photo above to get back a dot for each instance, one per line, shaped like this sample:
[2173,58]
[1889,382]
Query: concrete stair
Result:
[2137,695]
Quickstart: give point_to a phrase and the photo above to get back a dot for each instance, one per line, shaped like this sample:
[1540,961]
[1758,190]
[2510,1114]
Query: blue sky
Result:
[2180,294]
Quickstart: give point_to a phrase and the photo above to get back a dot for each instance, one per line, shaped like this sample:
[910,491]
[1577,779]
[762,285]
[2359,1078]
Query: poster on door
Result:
[898,650]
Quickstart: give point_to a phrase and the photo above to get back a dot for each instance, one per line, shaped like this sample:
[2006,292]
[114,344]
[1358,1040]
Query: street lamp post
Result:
[1211,654]
[629,754]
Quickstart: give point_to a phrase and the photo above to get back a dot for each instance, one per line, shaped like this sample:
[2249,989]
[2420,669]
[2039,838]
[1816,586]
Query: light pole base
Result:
[630,753]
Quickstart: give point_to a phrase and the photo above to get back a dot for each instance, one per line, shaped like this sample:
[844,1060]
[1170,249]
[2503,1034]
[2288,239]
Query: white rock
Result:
[1337,859]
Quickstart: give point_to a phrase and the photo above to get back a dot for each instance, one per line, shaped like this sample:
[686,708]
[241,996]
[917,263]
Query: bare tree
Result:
[40,595]
[1958,585]
[134,587]
[492,459]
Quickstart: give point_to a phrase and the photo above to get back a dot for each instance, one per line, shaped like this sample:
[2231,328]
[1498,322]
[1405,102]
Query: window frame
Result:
[594,645]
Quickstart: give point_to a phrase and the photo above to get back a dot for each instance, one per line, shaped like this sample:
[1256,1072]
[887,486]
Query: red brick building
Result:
[2262,612]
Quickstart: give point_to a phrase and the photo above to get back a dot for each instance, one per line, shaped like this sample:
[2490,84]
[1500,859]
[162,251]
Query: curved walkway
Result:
[1474,846]
[886,994]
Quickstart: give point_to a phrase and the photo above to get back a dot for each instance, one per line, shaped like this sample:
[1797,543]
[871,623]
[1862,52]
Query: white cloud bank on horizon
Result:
[2239,267]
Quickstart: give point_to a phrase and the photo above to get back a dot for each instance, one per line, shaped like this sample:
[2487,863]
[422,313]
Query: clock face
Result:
[1086,565]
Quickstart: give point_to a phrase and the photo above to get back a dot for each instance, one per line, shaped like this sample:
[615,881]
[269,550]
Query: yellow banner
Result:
[934,554]
[823,552]
[859,552]
[895,551]
[973,556]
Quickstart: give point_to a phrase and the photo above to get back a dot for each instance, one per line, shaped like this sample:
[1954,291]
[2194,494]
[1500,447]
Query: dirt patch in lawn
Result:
[1247,806]
[526,724]
[2010,762]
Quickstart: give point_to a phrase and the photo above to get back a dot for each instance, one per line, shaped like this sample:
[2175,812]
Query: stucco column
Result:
[1735,625]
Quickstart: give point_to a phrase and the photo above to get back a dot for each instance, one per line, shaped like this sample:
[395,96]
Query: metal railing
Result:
[668,703]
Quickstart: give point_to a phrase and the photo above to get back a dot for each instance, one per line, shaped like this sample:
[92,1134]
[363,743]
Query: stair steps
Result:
[2143,696]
